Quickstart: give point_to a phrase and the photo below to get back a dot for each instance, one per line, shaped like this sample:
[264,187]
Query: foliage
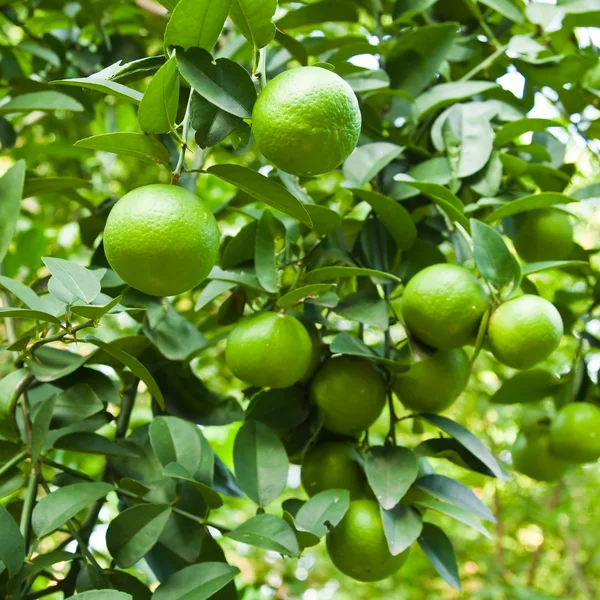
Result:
[101,462]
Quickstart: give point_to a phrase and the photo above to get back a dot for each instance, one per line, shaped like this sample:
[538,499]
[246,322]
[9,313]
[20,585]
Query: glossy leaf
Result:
[210,123]
[199,582]
[102,595]
[12,549]
[254,18]
[402,525]
[158,107]
[456,513]
[11,190]
[323,511]
[176,441]
[368,160]
[445,93]
[104,86]
[438,549]
[268,532]
[507,133]
[138,145]
[8,401]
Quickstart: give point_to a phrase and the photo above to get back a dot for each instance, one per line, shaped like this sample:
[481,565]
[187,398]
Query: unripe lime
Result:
[433,384]
[350,393]
[532,456]
[575,432]
[332,466]
[358,547]
[306,121]
[524,331]
[269,350]
[443,305]
[161,239]
[545,234]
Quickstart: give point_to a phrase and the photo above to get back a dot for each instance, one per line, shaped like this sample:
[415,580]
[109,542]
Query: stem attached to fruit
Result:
[184,136]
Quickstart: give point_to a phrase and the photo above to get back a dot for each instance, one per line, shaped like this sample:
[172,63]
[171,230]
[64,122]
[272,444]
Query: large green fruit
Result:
[269,350]
[532,456]
[575,432]
[545,234]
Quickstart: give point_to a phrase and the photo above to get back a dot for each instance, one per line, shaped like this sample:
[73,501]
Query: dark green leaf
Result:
[261,462]
[456,513]
[323,511]
[527,386]
[365,307]
[390,472]
[438,549]
[452,450]
[280,408]
[328,273]
[176,471]
[31,315]
[254,18]
[507,8]
[40,426]
[158,107]
[324,220]
[265,261]
[8,401]
[95,312]
[197,582]
[138,145]
[507,133]
[12,549]
[63,504]
[344,343]
[320,12]
[132,534]
[268,532]
[211,124]
[262,188]
[11,190]
[299,294]
[176,441]
[88,442]
[402,526]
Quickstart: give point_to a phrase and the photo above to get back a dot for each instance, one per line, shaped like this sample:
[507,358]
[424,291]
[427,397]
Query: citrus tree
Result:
[303,228]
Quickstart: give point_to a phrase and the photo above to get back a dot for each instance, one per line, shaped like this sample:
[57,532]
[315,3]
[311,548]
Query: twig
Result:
[127,404]
[28,504]
[184,146]
[57,337]
[15,460]
[484,64]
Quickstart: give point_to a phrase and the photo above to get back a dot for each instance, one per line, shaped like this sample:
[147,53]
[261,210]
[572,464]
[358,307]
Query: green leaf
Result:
[344,343]
[547,265]
[324,220]
[469,441]
[43,100]
[298,295]
[25,313]
[102,595]
[528,386]
[224,83]
[446,93]
[176,471]
[337,11]
[49,364]
[262,188]
[212,290]
[44,561]
[176,441]
[95,312]
[63,504]
[12,549]
[402,526]
[390,472]
[260,461]
[88,442]
[323,511]
[525,203]
[368,160]
[211,124]
[104,86]
[196,23]
[454,492]
[8,401]
[438,549]
[450,449]
[280,408]
[133,533]
[368,81]
[11,191]
[138,145]
[506,8]
[158,108]
[22,292]
[393,215]
[197,582]
[365,307]
[507,133]
[254,18]
[268,532]
[456,513]
[265,261]
[78,280]
[495,261]
[328,273]
[40,427]
[243,277]
[133,364]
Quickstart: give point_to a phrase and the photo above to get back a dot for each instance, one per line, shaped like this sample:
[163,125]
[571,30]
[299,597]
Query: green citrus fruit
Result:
[357,545]
[443,304]
[269,350]
[575,432]
[332,466]
[306,121]
[161,239]
[433,384]
[316,352]
[532,456]
[545,234]
[524,331]
[454,10]
[350,393]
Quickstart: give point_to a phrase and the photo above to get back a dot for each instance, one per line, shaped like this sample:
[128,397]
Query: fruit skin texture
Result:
[575,432]
[433,384]
[545,234]
[532,456]
[357,545]
[161,239]
[269,350]
[524,331]
[306,121]
[350,392]
[316,352]
[443,305]
[332,466]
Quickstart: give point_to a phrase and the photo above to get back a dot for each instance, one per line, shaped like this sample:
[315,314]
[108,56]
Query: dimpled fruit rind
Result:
[524,331]
[332,466]
[433,384]
[575,432]
[269,350]
[442,306]
[306,121]
[350,393]
[545,234]
[161,239]
[532,456]
[358,547]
